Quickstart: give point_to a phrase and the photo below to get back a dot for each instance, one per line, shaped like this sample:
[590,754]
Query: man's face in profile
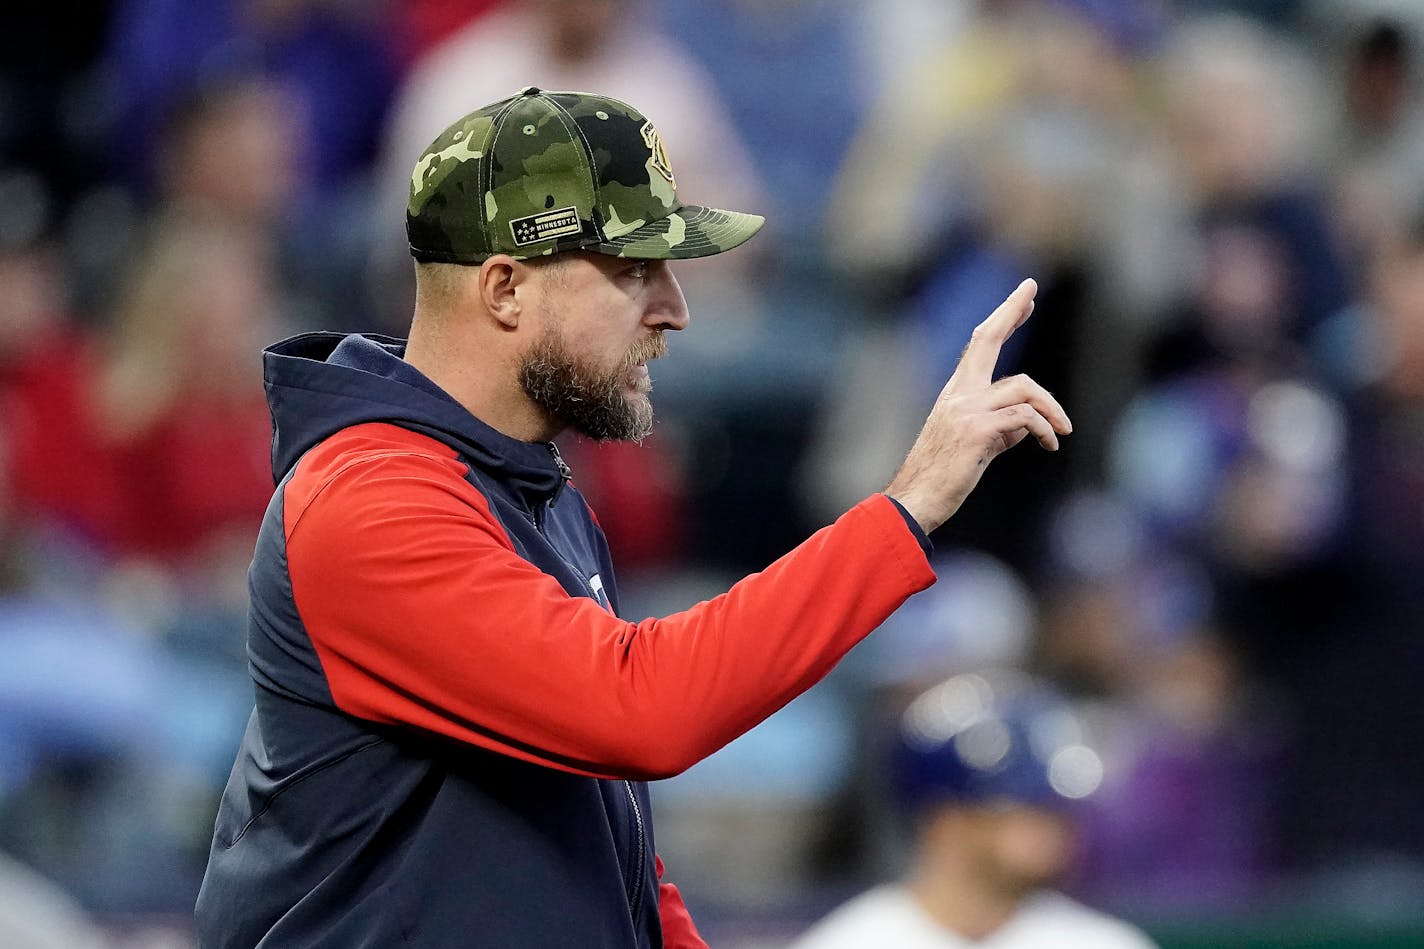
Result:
[604,320]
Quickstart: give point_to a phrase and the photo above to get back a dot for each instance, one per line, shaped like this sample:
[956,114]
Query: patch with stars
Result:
[545,225]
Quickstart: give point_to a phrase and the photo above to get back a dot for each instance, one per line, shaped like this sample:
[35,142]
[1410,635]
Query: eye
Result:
[639,270]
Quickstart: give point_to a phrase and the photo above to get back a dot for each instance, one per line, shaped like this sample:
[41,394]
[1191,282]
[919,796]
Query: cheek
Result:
[606,358]
[589,328]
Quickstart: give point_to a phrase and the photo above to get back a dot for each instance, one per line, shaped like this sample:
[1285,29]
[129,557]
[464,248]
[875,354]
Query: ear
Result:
[499,283]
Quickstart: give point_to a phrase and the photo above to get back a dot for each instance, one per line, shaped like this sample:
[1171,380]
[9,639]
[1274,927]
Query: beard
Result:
[586,398]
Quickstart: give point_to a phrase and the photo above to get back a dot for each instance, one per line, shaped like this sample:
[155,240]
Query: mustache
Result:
[654,347]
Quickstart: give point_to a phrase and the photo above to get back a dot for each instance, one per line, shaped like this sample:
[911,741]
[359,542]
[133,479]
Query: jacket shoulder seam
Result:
[365,458]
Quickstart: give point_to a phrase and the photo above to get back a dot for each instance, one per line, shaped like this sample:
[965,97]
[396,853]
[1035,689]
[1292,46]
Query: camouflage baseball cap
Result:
[544,172]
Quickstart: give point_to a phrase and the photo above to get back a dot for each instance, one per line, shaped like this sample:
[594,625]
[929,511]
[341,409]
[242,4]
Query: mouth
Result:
[638,378]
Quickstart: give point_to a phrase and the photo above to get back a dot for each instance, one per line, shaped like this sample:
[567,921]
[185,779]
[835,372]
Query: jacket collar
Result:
[320,383]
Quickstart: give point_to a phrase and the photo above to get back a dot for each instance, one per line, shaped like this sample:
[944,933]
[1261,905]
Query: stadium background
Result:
[1222,202]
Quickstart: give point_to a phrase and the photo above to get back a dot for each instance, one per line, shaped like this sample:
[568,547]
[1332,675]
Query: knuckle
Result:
[1018,384]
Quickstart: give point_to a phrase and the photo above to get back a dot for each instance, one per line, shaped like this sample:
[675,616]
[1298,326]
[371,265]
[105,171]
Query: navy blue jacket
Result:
[452,725]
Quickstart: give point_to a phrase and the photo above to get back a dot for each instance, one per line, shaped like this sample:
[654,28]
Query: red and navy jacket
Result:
[453,724]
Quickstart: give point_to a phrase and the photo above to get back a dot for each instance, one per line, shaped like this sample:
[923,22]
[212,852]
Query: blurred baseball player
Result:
[987,769]
[453,721]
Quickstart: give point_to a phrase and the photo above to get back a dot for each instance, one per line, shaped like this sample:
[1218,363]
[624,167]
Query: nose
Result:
[667,308]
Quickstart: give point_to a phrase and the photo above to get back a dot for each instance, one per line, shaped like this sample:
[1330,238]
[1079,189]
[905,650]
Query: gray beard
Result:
[585,399]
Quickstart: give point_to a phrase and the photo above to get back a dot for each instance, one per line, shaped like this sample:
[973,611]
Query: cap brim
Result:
[688,232]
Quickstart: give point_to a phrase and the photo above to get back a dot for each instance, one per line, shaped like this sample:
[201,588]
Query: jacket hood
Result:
[320,383]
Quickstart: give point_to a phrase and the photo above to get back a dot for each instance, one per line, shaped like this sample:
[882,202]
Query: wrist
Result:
[913,526]
[925,515]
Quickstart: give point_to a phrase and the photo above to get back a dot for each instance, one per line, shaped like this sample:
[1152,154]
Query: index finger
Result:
[976,365]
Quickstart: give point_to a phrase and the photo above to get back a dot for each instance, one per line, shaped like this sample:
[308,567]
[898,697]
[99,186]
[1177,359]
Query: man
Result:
[987,769]
[453,724]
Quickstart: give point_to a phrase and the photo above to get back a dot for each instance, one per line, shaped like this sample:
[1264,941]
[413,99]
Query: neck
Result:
[482,379]
[961,901]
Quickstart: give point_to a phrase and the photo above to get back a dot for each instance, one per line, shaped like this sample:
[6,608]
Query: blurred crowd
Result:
[1223,203]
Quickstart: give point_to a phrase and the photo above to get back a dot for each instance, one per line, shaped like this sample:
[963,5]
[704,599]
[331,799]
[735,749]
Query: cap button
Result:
[529,91]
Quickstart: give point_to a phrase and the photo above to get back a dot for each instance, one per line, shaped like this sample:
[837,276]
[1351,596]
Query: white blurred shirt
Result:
[887,917]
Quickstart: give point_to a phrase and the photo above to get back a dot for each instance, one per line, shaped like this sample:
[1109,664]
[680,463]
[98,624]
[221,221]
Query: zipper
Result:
[565,474]
[537,517]
[640,856]
[565,471]
[635,896]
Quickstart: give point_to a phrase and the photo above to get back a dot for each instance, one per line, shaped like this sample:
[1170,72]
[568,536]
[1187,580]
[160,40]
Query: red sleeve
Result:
[422,614]
[679,931]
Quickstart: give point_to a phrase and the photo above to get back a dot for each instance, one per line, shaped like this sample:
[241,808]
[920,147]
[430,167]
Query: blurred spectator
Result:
[1233,448]
[1014,165]
[180,391]
[1183,821]
[1029,103]
[333,61]
[1108,597]
[111,744]
[47,363]
[1241,105]
[425,24]
[165,414]
[1237,464]
[1378,141]
[988,771]
[1359,767]
[797,134]
[232,152]
[269,109]
[898,33]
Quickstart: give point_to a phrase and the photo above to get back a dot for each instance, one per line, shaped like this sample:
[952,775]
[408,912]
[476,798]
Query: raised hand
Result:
[975,419]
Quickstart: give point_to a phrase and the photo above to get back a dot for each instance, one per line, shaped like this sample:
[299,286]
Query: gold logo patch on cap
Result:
[654,141]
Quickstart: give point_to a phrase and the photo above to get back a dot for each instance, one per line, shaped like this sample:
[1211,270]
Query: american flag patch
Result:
[541,227]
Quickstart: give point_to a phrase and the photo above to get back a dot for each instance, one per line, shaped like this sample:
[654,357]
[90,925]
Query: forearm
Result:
[715,671]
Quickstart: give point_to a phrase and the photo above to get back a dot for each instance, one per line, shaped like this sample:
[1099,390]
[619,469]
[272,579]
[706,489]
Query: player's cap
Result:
[984,738]
[544,172]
